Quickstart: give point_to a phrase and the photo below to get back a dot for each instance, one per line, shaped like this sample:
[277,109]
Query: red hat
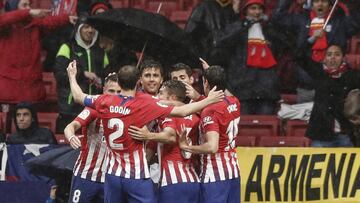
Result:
[249,2]
[100,5]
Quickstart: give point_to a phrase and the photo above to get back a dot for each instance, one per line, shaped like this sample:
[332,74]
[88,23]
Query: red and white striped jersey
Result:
[222,117]
[90,164]
[126,156]
[176,165]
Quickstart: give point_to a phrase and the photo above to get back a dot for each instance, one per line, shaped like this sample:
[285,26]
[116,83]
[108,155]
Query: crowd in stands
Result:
[271,52]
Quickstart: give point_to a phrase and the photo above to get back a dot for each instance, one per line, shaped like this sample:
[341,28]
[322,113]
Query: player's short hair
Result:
[149,63]
[112,77]
[128,77]
[215,75]
[177,88]
[181,66]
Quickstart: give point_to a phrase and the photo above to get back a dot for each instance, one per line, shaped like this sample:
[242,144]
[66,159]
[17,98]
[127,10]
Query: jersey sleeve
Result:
[156,109]
[209,121]
[168,123]
[86,116]
[91,100]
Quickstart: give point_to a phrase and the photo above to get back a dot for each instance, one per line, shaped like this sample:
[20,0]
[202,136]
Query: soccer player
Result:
[151,76]
[220,178]
[178,175]
[88,175]
[127,170]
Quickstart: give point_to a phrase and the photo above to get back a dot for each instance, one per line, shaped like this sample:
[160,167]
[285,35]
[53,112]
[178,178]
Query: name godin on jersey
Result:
[119,109]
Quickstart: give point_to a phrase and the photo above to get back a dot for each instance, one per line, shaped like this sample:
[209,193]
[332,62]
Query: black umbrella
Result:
[134,28]
[54,162]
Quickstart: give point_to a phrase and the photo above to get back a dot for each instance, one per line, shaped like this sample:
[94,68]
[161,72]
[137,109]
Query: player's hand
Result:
[183,141]
[191,92]
[204,64]
[215,96]
[72,69]
[74,142]
[39,13]
[141,134]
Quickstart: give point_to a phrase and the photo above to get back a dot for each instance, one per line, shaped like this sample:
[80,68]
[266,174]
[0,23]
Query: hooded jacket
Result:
[20,47]
[32,135]
[89,58]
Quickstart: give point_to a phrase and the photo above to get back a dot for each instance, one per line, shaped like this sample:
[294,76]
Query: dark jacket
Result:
[341,27]
[329,99]
[249,83]
[32,135]
[207,18]
[73,51]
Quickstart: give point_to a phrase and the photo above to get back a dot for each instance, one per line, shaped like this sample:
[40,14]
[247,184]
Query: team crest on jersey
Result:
[207,120]
[84,114]
[162,105]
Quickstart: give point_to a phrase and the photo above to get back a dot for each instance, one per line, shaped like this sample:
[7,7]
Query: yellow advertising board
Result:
[299,174]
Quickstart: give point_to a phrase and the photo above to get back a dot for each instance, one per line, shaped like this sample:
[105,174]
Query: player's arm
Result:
[211,145]
[185,110]
[76,91]
[69,132]
[168,135]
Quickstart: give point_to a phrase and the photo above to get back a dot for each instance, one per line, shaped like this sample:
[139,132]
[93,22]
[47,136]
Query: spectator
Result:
[206,18]
[312,35]
[92,60]
[352,112]
[328,126]
[27,127]
[251,73]
[20,69]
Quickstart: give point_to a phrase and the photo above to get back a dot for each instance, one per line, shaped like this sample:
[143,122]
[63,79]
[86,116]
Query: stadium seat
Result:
[355,45]
[180,17]
[295,128]
[245,141]
[121,3]
[166,9]
[258,126]
[284,142]
[50,86]
[353,60]
[289,98]
[46,120]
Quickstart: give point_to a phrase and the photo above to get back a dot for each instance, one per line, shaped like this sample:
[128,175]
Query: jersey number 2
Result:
[119,124]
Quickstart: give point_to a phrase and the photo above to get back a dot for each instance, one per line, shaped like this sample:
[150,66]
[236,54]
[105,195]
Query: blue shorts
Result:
[180,193]
[83,190]
[226,191]
[119,190]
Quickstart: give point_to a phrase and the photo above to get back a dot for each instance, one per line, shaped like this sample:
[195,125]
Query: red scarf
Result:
[336,73]
[259,54]
[320,45]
